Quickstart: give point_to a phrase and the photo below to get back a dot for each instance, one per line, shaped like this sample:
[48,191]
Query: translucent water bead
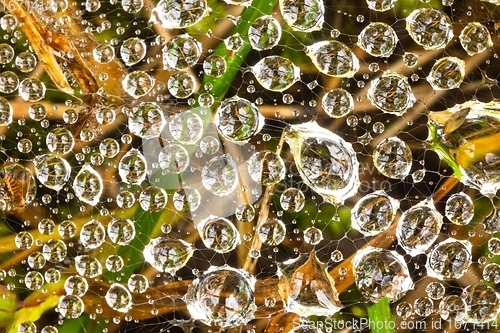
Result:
[303,15]
[430,28]
[391,93]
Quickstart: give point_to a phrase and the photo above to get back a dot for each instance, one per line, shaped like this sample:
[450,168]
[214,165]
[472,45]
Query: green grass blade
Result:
[380,317]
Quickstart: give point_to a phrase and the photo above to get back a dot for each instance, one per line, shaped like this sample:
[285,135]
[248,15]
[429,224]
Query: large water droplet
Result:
[430,28]
[55,250]
[167,254]
[88,266]
[146,120]
[138,83]
[303,15]
[459,209]
[132,167]
[8,82]
[452,308]
[31,90]
[392,158]
[449,259]
[132,51]
[306,287]
[292,200]
[475,38]
[264,33]
[391,93]
[18,187]
[333,58]
[103,53]
[374,213]
[121,231]
[70,306]
[238,120]
[220,175]
[219,234]
[88,185]
[337,103]
[53,171]
[92,234]
[6,112]
[326,162]
[173,158]
[175,15]
[186,127]
[276,73]
[378,39]
[181,52]
[118,298]
[222,297]
[153,199]
[419,227]
[447,73]
[76,285]
[380,272]
[266,167]
[482,303]
[271,231]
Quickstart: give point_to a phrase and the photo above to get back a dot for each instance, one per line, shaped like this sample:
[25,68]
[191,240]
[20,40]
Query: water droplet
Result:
[8,22]
[153,199]
[132,6]
[181,52]
[374,213]
[333,58]
[209,145]
[146,120]
[36,260]
[276,73]
[125,199]
[76,285]
[303,15]
[423,306]
[220,175]
[459,209]
[391,93]
[222,297]
[337,103]
[8,82]
[70,306]
[380,272]
[118,298]
[306,287]
[186,199]
[173,158]
[245,213]
[31,90]
[264,33]
[435,290]
[26,327]
[53,171]
[54,250]
[393,158]
[36,111]
[452,308]
[219,234]
[172,15]
[92,234]
[292,200]
[33,280]
[419,227]
[381,5]
[482,303]
[410,59]
[121,231]
[138,283]
[418,175]
[92,5]
[326,162]
[104,53]
[6,53]
[475,38]
[404,310]
[449,259]
[271,231]
[313,236]
[138,84]
[168,254]
[132,51]
[186,127]
[266,168]
[214,65]
[447,73]
[132,167]
[238,120]
[88,185]
[491,273]
[430,28]
[378,39]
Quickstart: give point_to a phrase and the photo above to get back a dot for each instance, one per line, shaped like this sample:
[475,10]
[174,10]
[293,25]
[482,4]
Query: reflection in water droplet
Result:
[153,199]
[391,93]
[333,58]
[449,259]
[459,209]
[430,28]
[271,231]
[88,185]
[393,158]
[447,73]
[326,162]
[181,52]
[419,227]
[138,283]
[173,158]
[175,15]
[306,287]
[132,51]
[138,83]
[8,82]
[214,65]
[218,234]
[222,297]
[276,73]
[70,306]
[264,33]
[292,200]
[381,5]
[374,213]
[186,127]
[303,15]
[92,234]
[118,298]
[266,168]
[168,254]
[378,39]
[220,175]
[146,120]
[132,167]
[482,303]
[380,272]
[76,285]
[452,308]
[104,53]
[337,103]
[121,231]
[53,171]
[475,38]
[31,90]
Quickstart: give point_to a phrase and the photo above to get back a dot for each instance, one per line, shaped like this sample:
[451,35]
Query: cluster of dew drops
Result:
[224,296]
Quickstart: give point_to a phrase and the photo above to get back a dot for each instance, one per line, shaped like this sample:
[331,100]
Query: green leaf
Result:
[380,317]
